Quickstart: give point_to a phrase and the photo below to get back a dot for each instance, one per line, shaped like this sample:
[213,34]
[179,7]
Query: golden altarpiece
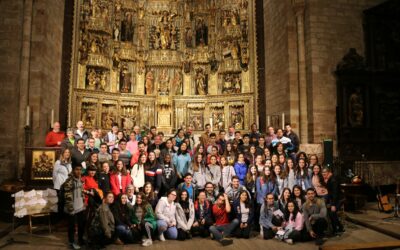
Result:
[164,63]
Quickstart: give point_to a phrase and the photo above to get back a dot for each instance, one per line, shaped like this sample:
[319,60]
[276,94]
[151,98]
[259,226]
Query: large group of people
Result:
[137,187]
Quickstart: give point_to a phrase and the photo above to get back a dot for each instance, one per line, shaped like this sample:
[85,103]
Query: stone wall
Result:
[330,29]
[45,71]
[30,71]
[11,21]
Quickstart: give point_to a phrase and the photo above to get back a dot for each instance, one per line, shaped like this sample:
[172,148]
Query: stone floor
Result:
[42,240]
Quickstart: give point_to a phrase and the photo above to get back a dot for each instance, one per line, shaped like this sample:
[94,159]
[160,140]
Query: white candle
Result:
[27,115]
[211,123]
[258,121]
[268,120]
[283,120]
[52,117]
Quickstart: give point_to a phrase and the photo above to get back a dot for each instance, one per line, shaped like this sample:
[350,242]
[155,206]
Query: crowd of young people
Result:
[136,188]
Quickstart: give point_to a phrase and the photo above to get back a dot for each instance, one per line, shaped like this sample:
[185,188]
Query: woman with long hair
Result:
[137,172]
[274,160]
[198,170]
[281,180]
[182,161]
[153,172]
[298,196]
[120,179]
[251,155]
[317,181]
[290,173]
[265,184]
[203,215]
[293,223]
[62,168]
[244,212]
[267,154]
[230,153]
[184,215]
[122,217]
[93,160]
[250,182]
[227,171]
[146,141]
[144,220]
[302,174]
[150,195]
[286,196]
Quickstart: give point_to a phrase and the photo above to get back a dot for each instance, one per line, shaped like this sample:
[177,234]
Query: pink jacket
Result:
[297,223]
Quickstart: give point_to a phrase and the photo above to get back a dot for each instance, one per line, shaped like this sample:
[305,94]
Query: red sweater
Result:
[89,183]
[52,138]
[114,182]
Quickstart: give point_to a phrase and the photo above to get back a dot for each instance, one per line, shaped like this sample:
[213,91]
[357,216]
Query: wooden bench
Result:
[366,245]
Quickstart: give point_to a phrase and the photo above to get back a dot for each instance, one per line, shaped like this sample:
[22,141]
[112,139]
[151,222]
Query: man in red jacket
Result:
[55,137]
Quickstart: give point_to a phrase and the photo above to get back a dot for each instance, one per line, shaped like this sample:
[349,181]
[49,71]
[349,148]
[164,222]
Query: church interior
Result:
[330,69]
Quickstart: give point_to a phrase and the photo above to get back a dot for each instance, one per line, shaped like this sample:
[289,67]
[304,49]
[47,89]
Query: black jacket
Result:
[77,157]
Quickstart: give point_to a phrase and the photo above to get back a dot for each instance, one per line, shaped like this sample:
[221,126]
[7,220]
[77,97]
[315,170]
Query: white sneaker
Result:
[147,243]
[289,241]
[161,237]
[75,246]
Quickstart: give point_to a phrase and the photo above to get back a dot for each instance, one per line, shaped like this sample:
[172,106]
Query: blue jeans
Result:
[124,233]
[221,231]
[170,232]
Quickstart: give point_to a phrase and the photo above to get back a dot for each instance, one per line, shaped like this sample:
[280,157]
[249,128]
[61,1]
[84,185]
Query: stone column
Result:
[24,83]
[298,7]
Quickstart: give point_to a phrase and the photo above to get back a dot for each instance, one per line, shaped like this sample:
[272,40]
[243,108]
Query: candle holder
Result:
[27,129]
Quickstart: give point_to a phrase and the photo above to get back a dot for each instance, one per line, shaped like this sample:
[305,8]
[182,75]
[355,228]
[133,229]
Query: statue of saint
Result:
[201,85]
[116,59]
[91,79]
[149,82]
[164,80]
[116,33]
[178,83]
[201,32]
[127,28]
[125,80]
[356,109]
[189,37]
[141,36]
[103,81]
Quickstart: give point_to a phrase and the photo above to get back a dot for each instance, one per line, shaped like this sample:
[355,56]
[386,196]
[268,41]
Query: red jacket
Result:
[126,180]
[52,138]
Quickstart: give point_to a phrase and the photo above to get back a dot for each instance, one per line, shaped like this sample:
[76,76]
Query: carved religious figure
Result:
[91,79]
[163,82]
[187,62]
[125,80]
[141,36]
[141,59]
[356,108]
[116,59]
[116,33]
[177,83]
[127,28]
[149,82]
[201,84]
[201,32]
[189,37]
[103,81]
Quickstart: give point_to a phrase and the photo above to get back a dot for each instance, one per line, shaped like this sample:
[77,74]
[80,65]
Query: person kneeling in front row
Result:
[222,227]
